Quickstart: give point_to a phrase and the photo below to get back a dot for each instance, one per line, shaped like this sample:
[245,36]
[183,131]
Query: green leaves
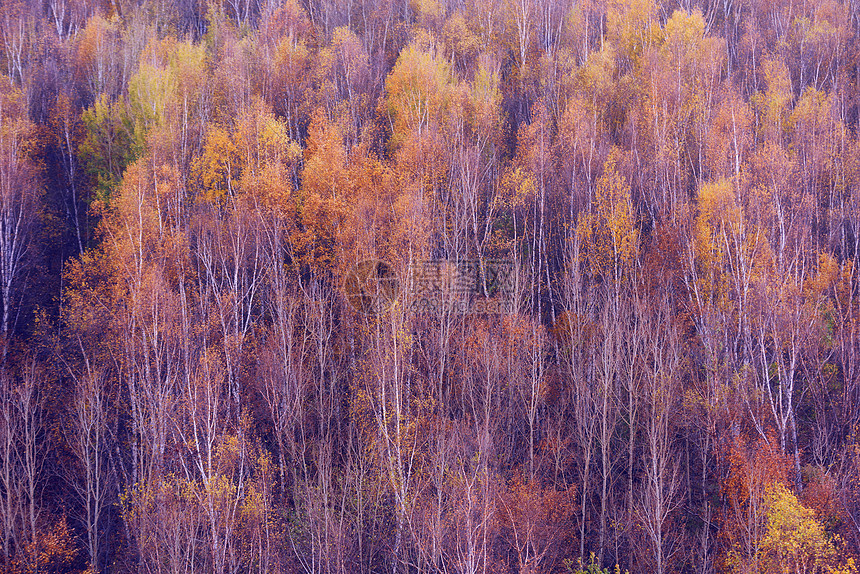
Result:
[109,144]
[150,90]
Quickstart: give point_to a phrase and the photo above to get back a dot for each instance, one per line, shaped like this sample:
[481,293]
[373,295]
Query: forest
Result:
[190,194]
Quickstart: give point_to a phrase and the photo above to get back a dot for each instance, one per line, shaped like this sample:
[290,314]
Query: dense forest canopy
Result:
[671,192]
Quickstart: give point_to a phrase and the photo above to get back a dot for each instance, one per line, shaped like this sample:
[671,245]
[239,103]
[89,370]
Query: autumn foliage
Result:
[672,190]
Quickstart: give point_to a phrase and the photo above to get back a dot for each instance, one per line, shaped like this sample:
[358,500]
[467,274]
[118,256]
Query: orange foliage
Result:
[536,519]
[53,552]
[752,467]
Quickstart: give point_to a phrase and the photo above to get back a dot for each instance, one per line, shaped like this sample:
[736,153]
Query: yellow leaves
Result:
[426,10]
[820,30]
[352,59]
[419,91]
[773,105]
[615,204]
[778,80]
[825,279]
[844,287]
[93,44]
[17,176]
[276,141]
[262,141]
[108,145]
[576,126]
[685,39]
[596,77]
[168,83]
[12,103]
[718,213]
[243,158]
[325,159]
[723,241]
[158,51]
[730,136]
[277,148]
[461,43]
[150,90]
[517,191]
[721,224]
[91,292]
[688,50]
[609,234]
[812,121]
[818,294]
[187,63]
[519,188]
[134,213]
[292,54]
[846,567]
[632,26]
[820,34]
[684,29]
[812,107]
[139,501]
[485,97]
[219,165]
[254,507]
[324,191]
[602,93]
[228,452]
[795,540]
